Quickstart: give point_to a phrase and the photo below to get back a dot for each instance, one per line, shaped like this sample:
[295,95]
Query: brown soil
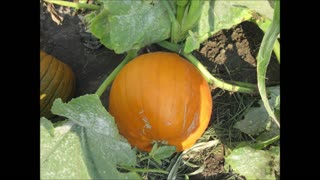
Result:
[229,55]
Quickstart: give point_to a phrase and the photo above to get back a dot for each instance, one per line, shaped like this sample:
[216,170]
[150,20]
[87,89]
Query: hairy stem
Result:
[110,78]
[244,87]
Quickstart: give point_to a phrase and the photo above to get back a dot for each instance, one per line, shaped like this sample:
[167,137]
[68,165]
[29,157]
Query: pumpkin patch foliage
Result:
[85,146]
[161,102]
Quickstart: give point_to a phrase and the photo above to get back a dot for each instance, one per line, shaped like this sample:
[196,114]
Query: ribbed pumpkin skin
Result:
[56,81]
[160,97]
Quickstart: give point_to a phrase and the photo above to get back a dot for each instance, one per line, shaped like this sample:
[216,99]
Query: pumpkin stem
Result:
[236,87]
[74,5]
[130,55]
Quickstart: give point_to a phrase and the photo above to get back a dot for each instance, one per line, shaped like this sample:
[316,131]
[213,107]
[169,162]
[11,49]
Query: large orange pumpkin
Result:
[160,97]
[56,81]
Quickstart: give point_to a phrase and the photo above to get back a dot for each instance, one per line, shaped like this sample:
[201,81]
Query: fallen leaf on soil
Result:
[54,15]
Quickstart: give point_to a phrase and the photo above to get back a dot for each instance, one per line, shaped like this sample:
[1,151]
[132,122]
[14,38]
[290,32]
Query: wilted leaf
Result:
[54,15]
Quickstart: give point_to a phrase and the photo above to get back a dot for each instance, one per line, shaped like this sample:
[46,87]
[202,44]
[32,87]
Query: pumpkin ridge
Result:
[49,76]
[64,90]
[141,101]
[141,115]
[69,89]
[142,73]
[53,84]
[45,68]
[190,98]
[55,94]
[157,129]
[126,95]
[123,97]
[56,81]
[175,93]
[45,83]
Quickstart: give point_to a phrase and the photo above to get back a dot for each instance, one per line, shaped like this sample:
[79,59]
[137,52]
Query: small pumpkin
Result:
[160,97]
[56,81]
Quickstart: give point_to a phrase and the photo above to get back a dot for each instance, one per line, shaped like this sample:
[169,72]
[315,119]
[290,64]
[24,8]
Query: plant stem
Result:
[143,170]
[180,12]
[144,158]
[244,87]
[192,16]
[264,56]
[181,7]
[264,24]
[175,26]
[74,5]
[266,143]
[276,50]
[131,54]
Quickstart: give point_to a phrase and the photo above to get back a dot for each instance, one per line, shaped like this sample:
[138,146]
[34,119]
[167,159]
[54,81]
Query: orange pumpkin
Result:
[56,81]
[160,97]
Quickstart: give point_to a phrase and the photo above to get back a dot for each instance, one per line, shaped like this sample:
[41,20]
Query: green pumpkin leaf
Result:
[45,123]
[162,152]
[129,24]
[61,156]
[88,146]
[251,163]
[256,119]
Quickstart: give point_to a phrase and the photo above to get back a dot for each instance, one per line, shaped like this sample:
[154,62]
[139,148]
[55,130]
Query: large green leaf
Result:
[257,120]
[217,15]
[253,164]
[130,24]
[88,146]
[61,155]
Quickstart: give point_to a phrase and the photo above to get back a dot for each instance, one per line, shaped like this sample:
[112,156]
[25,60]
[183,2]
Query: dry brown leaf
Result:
[54,15]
